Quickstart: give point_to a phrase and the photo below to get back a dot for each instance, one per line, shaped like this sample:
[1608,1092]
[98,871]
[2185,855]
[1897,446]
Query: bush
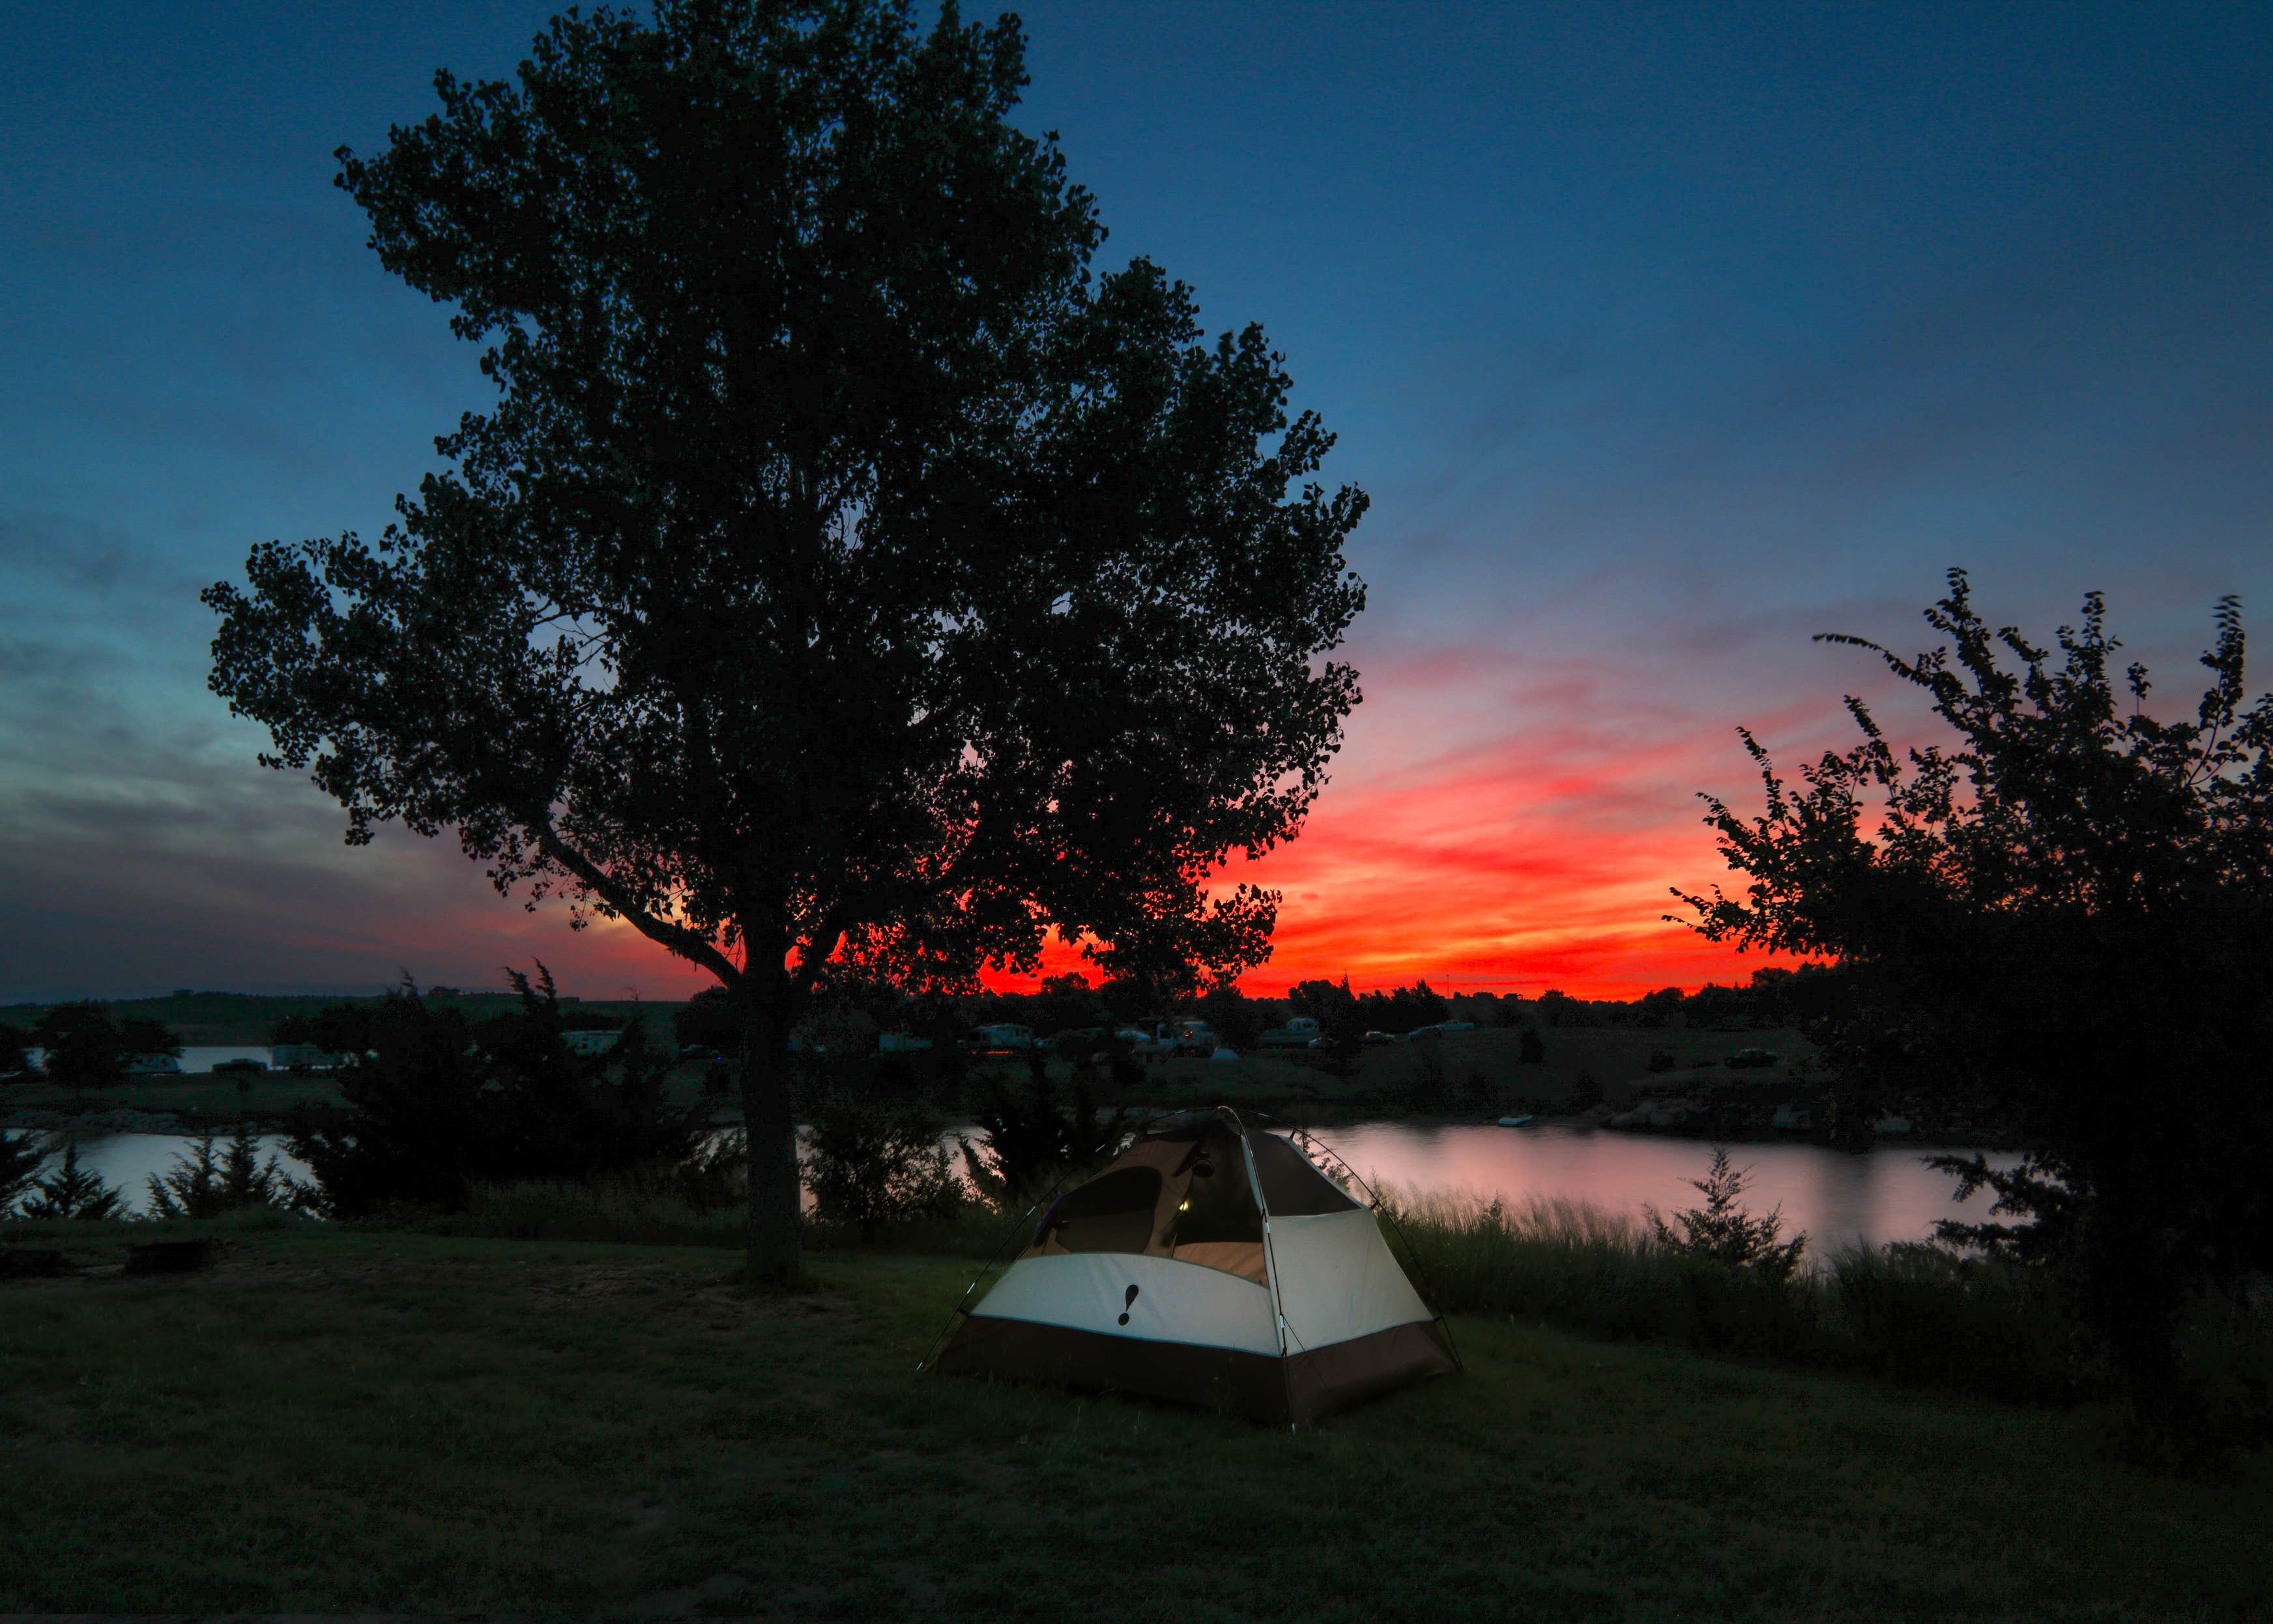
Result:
[1661,1061]
[872,1161]
[1586,1093]
[1533,1047]
[1028,1138]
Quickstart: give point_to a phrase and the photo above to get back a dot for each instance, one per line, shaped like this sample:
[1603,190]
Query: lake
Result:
[204,1056]
[1886,1193]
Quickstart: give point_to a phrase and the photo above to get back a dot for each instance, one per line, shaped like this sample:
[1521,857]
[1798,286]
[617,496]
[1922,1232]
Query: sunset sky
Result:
[1661,337]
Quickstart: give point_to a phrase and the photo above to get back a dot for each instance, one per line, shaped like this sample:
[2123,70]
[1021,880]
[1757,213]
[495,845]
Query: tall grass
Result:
[1914,1312]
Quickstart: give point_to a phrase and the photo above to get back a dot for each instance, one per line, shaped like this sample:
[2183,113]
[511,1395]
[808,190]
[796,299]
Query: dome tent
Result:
[1209,1262]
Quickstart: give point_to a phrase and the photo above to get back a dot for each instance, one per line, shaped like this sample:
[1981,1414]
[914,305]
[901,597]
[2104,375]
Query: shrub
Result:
[1661,1061]
[1029,1138]
[1533,1047]
[1586,1093]
[873,1161]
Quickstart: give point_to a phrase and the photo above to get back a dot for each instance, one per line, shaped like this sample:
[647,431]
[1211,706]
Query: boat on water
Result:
[1513,1122]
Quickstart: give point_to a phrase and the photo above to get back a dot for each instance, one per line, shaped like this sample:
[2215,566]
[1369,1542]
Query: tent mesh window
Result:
[1115,1212]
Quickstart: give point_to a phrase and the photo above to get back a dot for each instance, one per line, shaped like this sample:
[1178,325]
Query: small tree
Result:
[139,1035]
[83,1047]
[15,1049]
[72,1191]
[204,1186]
[1723,1231]
[20,1156]
[1532,1048]
[871,1160]
[1230,1014]
[439,1104]
[2062,922]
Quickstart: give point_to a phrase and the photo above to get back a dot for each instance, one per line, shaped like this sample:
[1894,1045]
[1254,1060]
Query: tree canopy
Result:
[845,574]
[2065,914]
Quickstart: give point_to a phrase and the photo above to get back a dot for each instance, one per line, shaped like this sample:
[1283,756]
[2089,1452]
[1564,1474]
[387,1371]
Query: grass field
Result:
[338,1420]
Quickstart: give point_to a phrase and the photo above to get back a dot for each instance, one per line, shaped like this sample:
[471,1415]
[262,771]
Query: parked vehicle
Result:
[1378,1037]
[1001,1038]
[1300,1033]
[1744,1057]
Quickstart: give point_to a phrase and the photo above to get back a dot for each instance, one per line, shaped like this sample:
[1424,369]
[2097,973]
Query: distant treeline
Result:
[1070,1002]
[1772,997]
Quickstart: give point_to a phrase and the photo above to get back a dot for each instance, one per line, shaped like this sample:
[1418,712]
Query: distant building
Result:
[593,1042]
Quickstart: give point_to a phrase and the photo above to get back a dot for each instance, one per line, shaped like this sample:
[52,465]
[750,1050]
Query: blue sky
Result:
[1661,337]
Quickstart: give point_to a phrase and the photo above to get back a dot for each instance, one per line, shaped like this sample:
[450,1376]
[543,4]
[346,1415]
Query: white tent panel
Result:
[1175,1302]
[1337,1279]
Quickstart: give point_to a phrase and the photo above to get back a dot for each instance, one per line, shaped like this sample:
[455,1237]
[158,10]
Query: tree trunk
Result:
[777,1217]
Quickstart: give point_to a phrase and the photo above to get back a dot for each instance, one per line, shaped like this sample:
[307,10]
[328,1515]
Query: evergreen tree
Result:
[20,1156]
[72,1191]
[1723,1231]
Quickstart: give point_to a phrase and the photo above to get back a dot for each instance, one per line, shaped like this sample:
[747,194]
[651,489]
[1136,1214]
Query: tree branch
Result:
[686,943]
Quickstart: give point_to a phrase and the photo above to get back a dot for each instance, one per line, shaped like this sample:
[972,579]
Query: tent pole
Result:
[1372,1196]
[1270,1262]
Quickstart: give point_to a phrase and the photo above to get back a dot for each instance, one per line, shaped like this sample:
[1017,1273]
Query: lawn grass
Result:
[341,1419]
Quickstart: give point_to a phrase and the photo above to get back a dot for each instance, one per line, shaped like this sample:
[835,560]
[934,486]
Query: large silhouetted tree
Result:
[2067,919]
[843,574]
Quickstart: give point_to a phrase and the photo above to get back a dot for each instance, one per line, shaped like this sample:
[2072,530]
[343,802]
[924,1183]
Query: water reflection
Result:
[200,1058]
[1886,1193]
[126,1161]
[1883,1194]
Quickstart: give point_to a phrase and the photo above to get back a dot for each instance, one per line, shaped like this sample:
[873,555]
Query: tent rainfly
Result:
[1213,1263]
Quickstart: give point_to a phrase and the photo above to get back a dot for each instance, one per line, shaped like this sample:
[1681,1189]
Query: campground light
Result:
[1185,1205]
